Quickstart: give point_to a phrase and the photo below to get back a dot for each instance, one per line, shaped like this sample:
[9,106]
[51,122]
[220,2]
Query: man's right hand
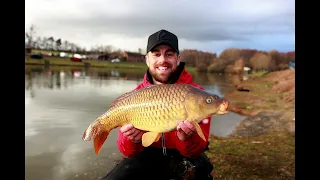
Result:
[135,135]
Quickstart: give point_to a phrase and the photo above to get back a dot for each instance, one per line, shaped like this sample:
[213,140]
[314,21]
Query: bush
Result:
[217,66]
[230,55]
[276,56]
[283,66]
[262,61]
[237,68]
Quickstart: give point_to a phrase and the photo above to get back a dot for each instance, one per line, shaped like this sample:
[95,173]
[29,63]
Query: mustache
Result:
[164,64]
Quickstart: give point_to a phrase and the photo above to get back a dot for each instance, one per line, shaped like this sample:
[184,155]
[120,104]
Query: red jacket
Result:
[191,147]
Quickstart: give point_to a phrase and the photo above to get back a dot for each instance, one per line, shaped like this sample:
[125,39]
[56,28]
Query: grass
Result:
[53,61]
[93,63]
[48,51]
[259,73]
[63,61]
[271,156]
[34,61]
[57,61]
[117,65]
[257,101]
[190,69]
[242,105]
[260,98]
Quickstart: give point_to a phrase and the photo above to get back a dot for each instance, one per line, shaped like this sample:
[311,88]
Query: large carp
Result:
[156,109]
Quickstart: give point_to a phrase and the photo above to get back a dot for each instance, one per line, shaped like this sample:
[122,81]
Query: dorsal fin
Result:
[122,97]
[125,95]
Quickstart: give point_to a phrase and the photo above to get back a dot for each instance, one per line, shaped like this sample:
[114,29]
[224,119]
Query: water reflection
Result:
[218,83]
[61,102]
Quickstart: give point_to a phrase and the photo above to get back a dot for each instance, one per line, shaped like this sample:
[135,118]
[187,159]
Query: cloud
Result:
[126,24]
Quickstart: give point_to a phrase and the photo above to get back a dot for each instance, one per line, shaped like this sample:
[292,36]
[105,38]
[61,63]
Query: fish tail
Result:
[98,133]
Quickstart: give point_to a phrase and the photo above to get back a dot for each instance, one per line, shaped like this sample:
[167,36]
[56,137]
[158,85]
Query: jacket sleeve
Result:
[127,147]
[194,146]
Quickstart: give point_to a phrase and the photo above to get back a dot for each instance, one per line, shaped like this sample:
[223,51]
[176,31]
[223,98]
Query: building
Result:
[134,57]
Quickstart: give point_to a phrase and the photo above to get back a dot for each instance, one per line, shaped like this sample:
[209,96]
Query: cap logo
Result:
[161,35]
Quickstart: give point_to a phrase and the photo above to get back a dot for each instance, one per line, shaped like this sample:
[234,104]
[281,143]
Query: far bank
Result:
[56,61]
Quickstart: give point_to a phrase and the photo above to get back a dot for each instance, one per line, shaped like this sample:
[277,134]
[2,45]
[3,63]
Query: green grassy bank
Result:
[55,61]
[92,63]
[271,156]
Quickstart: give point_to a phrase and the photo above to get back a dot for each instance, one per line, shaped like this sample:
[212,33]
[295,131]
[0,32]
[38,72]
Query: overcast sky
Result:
[207,25]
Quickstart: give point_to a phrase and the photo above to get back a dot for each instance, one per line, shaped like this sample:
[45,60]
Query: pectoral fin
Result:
[198,129]
[149,137]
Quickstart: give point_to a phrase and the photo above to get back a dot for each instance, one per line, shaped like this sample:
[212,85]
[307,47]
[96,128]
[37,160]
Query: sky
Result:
[206,25]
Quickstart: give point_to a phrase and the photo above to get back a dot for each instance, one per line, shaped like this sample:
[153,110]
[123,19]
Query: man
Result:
[177,154]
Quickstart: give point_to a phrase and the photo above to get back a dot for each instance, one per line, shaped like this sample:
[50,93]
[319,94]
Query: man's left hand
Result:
[185,129]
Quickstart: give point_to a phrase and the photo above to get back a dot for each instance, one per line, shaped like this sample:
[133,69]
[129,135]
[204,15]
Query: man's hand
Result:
[185,129]
[135,135]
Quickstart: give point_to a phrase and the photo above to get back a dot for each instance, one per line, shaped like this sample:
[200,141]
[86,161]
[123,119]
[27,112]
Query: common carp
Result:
[156,109]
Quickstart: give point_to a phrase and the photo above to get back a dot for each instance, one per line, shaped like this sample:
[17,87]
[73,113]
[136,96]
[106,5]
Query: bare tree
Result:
[38,43]
[66,45]
[30,35]
[108,49]
[44,43]
[50,43]
[58,44]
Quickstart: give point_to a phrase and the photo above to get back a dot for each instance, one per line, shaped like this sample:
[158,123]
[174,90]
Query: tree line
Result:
[231,60]
[57,44]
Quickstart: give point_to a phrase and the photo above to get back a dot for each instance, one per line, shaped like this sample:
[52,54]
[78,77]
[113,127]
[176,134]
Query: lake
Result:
[61,102]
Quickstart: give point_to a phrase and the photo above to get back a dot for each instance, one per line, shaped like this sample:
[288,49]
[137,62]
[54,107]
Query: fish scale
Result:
[156,109]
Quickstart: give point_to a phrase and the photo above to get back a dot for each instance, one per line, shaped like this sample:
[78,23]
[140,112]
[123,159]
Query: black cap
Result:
[163,37]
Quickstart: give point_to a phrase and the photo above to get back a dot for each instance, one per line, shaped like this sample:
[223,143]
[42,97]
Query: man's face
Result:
[162,62]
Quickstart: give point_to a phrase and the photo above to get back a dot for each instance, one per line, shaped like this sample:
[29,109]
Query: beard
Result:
[163,78]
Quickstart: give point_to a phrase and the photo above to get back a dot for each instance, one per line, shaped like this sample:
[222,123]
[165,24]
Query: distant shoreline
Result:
[56,61]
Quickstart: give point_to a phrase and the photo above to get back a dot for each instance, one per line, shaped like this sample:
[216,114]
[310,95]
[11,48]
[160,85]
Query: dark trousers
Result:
[152,164]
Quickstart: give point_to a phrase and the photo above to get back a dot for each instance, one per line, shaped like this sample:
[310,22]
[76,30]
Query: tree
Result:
[58,44]
[30,35]
[50,41]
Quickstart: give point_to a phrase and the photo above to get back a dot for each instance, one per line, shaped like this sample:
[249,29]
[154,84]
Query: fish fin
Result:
[158,137]
[128,94]
[99,140]
[149,137]
[198,129]
[121,97]
[96,132]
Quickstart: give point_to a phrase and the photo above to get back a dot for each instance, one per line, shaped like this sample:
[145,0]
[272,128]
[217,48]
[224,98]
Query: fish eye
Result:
[209,100]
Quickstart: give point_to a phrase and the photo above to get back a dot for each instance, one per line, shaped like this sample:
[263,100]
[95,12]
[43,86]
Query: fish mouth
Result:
[223,107]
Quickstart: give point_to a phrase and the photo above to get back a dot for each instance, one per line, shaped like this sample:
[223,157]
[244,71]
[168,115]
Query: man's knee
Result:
[126,169]
[133,168]
[203,168]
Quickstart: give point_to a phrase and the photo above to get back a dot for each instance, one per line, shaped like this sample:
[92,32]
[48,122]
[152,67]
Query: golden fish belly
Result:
[159,117]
